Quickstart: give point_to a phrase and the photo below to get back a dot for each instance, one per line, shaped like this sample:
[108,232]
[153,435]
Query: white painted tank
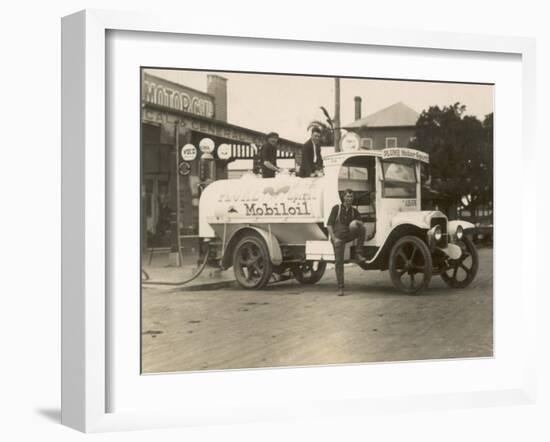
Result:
[286,200]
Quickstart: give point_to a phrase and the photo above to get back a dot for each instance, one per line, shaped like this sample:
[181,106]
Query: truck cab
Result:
[382,187]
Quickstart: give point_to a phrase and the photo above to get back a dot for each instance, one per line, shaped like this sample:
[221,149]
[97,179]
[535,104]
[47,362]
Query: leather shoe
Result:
[340,292]
[359,257]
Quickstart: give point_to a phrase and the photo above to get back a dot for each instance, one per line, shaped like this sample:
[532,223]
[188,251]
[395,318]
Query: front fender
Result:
[418,219]
[453,225]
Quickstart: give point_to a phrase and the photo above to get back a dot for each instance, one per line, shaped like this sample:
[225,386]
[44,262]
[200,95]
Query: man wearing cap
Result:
[268,156]
[312,162]
[344,225]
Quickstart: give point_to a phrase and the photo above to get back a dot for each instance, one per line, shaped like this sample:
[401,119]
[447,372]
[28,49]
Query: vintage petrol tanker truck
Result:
[273,229]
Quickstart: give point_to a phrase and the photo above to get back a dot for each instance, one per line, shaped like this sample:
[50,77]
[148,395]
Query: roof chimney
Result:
[357,108]
[217,86]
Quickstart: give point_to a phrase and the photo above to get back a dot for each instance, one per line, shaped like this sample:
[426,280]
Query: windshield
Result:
[399,179]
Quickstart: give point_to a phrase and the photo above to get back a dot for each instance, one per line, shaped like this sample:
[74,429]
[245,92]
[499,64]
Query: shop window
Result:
[150,133]
[149,197]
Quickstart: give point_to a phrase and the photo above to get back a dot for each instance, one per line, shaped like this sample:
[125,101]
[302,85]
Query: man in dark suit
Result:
[268,155]
[312,161]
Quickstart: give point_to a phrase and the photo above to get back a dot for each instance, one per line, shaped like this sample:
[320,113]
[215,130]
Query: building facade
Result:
[187,143]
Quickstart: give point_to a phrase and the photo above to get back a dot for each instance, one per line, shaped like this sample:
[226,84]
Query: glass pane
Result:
[399,179]
[358,173]
[399,172]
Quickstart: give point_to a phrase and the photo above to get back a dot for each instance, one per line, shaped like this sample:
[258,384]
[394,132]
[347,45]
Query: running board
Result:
[323,251]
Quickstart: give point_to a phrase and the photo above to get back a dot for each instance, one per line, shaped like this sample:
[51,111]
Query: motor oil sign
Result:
[275,198]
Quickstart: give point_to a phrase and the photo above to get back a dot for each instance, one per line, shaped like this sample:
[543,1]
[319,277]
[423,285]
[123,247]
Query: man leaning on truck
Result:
[344,225]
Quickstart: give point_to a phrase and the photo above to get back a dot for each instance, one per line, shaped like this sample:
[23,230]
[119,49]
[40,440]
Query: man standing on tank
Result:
[344,225]
[268,156]
[312,161]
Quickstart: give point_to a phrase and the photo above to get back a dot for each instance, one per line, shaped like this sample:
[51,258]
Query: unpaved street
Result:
[289,324]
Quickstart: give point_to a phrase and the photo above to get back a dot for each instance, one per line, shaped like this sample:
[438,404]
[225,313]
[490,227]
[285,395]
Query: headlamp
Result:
[437,233]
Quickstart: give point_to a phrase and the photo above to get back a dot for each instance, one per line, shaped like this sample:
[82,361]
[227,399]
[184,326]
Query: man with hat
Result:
[312,162]
[268,156]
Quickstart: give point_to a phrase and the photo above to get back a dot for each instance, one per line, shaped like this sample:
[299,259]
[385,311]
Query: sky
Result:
[287,104]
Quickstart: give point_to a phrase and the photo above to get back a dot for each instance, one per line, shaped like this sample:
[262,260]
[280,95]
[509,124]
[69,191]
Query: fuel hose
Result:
[178,283]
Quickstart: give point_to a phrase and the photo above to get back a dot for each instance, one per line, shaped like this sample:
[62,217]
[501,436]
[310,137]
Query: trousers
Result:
[356,231]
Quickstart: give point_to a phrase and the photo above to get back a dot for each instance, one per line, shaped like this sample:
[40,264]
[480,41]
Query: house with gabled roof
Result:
[393,126]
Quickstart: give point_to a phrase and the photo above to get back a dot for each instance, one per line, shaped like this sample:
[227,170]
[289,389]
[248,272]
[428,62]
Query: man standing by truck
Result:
[344,225]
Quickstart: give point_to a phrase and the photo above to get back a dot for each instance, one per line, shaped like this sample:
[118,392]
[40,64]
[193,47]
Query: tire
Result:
[251,263]
[461,272]
[409,257]
[306,274]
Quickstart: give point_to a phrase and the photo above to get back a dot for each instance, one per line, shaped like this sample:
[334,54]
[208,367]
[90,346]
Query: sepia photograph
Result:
[303,220]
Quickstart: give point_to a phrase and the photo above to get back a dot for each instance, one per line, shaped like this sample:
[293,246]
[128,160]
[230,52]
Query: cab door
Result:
[358,174]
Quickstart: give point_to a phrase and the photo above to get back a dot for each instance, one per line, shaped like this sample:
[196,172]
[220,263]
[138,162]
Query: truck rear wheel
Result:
[410,264]
[309,273]
[251,262]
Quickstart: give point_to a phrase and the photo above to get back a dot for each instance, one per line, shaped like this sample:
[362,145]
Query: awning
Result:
[248,151]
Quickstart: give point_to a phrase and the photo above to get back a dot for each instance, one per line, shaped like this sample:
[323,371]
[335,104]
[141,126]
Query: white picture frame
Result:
[85,199]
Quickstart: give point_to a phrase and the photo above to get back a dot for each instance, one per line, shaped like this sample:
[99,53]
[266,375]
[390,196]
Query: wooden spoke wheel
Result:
[310,272]
[462,271]
[410,264]
[251,262]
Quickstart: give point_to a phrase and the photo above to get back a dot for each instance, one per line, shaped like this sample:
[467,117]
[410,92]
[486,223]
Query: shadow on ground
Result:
[51,414]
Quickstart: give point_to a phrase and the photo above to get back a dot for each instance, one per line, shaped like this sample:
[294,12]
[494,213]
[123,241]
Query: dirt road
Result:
[288,324]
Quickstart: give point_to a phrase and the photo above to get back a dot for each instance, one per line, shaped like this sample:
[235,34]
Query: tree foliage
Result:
[327,128]
[461,155]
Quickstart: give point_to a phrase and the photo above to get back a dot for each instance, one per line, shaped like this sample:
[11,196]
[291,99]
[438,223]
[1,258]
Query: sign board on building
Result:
[189,152]
[206,145]
[239,135]
[184,168]
[175,96]
[224,151]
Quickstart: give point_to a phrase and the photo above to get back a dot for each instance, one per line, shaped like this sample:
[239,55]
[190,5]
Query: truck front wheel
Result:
[251,263]
[410,264]
[461,272]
